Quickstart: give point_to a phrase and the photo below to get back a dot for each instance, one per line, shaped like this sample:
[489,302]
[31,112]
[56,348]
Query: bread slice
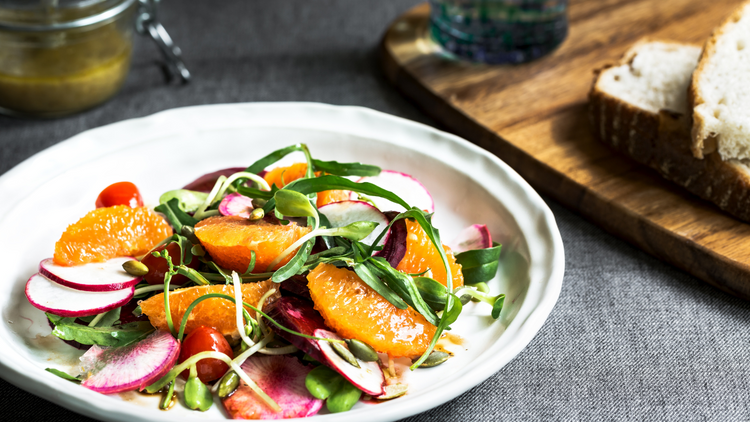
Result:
[639,107]
[720,91]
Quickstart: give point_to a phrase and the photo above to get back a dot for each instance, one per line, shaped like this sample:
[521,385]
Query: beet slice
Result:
[394,248]
[298,315]
[206,182]
[295,286]
[283,379]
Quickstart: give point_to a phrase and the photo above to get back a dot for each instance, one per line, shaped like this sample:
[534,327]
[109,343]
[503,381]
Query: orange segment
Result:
[106,233]
[330,196]
[231,239]
[422,255]
[354,310]
[216,313]
[281,176]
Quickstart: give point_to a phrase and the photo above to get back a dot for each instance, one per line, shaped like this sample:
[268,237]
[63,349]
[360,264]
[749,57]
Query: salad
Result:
[279,289]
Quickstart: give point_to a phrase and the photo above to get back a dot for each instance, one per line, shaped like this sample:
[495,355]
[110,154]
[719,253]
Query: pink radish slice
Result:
[206,182]
[368,377]
[117,369]
[343,213]
[94,277]
[236,204]
[297,315]
[405,186]
[476,236]
[51,297]
[283,379]
[394,247]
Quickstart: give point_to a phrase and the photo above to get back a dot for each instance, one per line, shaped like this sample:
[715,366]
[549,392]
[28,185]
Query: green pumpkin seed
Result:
[362,350]
[344,398]
[259,203]
[189,233]
[257,214]
[228,384]
[345,354]
[136,268]
[435,359]
[393,391]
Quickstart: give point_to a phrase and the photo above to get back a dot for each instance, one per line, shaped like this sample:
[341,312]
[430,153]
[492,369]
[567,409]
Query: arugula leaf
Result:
[434,293]
[404,286]
[257,193]
[67,329]
[176,216]
[110,318]
[497,307]
[271,158]
[295,264]
[479,265]
[377,284]
[63,375]
[346,169]
[322,183]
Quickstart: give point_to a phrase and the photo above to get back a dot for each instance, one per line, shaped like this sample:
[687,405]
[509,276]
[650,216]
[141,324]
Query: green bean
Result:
[322,381]
[344,398]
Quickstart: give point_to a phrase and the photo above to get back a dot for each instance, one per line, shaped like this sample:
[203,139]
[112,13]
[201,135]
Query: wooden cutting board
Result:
[534,117]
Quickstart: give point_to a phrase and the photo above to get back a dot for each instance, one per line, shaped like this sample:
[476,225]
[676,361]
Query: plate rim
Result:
[526,329]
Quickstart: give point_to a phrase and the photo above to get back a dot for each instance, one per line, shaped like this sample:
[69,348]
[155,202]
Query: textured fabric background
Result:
[631,338]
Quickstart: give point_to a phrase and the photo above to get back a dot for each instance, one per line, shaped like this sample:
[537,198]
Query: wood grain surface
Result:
[534,117]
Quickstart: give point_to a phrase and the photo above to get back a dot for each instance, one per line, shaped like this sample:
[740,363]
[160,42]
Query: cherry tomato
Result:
[120,193]
[157,267]
[203,339]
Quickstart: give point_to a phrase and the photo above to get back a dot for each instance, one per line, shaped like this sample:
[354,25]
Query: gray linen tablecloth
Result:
[630,338]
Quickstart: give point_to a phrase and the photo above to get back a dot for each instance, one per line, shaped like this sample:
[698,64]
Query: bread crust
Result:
[703,141]
[662,141]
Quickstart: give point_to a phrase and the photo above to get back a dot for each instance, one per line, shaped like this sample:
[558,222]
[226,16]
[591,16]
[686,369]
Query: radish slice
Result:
[117,369]
[51,297]
[405,186]
[283,379]
[94,277]
[368,377]
[476,236]
[236,204]
[343,213]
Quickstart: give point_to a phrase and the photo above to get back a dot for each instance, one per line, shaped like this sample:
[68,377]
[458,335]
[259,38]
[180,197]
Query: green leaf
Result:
[434,293]
[497,307]
[404,286]
[322,183]
[257,193]
[346,169]
[294,204]
[176,217]
[377,284]
[110,318]
[63,375]
[67,329]
[271,158]
[186,249]
[452,314]
[295,264]
[355,231]
[479,265]
[187,200]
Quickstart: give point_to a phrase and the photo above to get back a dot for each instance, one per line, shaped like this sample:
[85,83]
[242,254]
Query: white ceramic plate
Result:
[54,188]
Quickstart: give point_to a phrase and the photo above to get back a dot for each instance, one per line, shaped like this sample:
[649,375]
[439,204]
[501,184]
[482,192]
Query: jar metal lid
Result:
[80,14]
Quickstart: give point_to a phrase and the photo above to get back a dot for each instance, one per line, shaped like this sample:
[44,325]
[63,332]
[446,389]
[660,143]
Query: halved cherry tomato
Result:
[120,193]
[203,339]
[157,267]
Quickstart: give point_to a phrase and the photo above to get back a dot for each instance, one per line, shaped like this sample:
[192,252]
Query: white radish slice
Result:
[236,204]
[343,213]
[476,236]
[94,277]
[51,297]
[368,377]
[405,186]
[117,369]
